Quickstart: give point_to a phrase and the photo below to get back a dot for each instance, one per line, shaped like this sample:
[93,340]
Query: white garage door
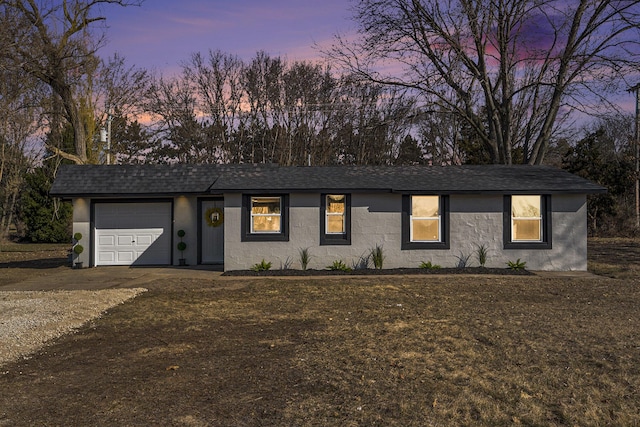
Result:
[132,233]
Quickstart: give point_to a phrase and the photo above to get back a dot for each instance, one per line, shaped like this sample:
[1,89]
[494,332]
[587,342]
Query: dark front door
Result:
[212,231]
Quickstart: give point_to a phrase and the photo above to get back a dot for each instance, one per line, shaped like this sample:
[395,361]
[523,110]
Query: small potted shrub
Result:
[78,249]
[182,246]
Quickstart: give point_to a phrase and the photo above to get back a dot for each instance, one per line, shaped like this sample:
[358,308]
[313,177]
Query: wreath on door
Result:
[214,217]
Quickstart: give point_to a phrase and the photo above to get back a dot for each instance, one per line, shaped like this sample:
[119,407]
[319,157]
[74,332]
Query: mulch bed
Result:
[383,272]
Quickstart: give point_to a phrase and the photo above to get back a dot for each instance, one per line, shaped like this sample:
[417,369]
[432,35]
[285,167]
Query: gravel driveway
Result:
[40,304]
[28,319]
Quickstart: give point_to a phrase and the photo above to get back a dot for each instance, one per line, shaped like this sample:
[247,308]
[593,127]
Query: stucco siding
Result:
[373,221]
[475,221]
[570,231]
[82,224]
[376,219]
[185,217]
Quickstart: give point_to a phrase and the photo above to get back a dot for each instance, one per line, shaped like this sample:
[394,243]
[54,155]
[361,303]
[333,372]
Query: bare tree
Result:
[267,111]
[262,82]
[217,81]
[309,108]
[120,86]
[119,99]
[52,41]
[442,138]
[510,69]
[220,109]
[19,123]
[183,132]
[372,122]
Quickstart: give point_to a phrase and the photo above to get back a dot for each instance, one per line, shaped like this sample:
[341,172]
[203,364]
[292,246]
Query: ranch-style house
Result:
[237,215]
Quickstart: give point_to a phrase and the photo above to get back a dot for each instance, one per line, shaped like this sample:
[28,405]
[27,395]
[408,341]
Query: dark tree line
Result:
[606,156]
[220,109]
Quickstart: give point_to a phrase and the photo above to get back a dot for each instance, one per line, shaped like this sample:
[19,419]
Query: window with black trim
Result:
[265,217]
[335,219]
[425,221]
[527,221]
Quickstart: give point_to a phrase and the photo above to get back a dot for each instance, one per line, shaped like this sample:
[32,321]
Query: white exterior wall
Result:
[376,220]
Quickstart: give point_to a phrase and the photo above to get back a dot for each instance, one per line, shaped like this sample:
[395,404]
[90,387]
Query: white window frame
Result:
[254,215]
[343,214]
[417,218]
[539,218]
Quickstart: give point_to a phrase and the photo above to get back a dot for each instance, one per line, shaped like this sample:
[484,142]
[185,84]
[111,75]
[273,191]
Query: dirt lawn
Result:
[412,351]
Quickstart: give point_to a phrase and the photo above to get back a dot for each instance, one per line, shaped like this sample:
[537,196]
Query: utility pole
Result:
[105,135]
[109,117]
[636,89]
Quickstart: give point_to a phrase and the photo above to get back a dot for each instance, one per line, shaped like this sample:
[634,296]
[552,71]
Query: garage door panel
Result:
[133,233]
[106,240]
[125,257]
[125,239]
[105,258]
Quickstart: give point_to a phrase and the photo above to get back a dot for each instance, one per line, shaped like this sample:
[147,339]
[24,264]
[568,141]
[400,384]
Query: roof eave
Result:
[67,196]
[146,195]
[405,191]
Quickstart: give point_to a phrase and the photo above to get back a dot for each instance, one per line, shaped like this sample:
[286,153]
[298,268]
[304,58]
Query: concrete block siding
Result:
[137,234]
[376,220]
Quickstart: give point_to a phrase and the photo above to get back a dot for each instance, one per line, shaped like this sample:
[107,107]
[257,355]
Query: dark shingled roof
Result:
[155,180]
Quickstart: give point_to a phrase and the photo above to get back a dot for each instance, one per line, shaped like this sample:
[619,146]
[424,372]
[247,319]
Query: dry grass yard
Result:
[388,351]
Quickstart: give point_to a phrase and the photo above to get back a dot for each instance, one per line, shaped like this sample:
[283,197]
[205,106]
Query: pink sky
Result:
[162,33]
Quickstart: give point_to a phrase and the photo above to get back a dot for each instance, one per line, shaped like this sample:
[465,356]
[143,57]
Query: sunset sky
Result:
[161,33]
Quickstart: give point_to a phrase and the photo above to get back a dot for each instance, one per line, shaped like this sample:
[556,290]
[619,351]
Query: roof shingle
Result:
[155,180]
